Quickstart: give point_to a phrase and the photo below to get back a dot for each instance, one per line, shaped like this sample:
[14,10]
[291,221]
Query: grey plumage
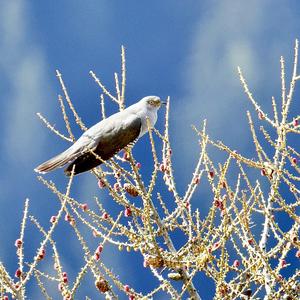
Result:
[106,138]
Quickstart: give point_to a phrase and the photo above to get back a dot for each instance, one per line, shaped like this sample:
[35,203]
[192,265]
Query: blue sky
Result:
[188,50]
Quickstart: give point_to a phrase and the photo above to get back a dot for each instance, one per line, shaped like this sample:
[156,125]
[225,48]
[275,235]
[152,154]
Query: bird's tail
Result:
[55,162]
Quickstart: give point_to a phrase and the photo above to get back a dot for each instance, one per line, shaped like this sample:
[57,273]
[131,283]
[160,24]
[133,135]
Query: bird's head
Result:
[152,102]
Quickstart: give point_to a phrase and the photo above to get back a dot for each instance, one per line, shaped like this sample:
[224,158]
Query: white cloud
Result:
[23,67]
[24,91]
[12,34]
[228,34]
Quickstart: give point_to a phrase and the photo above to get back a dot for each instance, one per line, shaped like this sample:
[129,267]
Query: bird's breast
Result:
[152,116]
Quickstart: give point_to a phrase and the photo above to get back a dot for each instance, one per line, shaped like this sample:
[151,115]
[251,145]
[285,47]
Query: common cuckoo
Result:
[106,138]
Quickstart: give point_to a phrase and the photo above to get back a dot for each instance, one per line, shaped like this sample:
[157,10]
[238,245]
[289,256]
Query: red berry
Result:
[117,175]
[53,219]
[216,246]
[294,161]
[99,249]
[162,168]
[64,277]
[131,297]
[170,151]
[41,256]
[217,203]
[236,263]
[196,180]
[5,298]
[42,253]
[298,254]
[295,122]
[95,233]
[261,115]
[84,206]
[18,273]
[282,263]
[68,218]
[224,186]
[127,212]
[126,288]
[263,172]
[18,243]
[105,215]
[101,183]
[126,156]
[250,241]
[97,256]
[117,187]
[138,165]
[211,174]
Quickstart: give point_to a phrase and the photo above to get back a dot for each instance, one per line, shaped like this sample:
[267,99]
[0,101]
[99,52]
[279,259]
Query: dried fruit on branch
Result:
[102,285]
[130,189]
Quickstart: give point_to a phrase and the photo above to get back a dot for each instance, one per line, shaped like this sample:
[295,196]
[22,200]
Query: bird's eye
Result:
[151,102]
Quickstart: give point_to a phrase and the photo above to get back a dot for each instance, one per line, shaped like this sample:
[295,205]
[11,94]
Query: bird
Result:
[106,138]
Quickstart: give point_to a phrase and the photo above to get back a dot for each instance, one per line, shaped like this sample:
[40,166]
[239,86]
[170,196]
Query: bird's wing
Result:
[106,139]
